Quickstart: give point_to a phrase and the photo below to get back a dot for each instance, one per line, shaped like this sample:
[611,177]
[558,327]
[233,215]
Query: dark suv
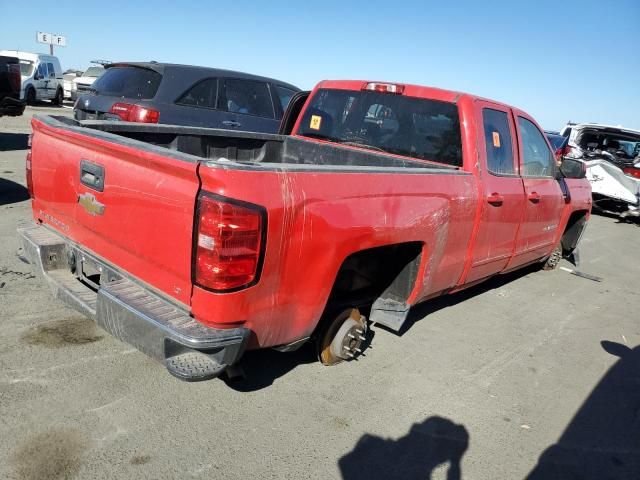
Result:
[10,81]
[186,95]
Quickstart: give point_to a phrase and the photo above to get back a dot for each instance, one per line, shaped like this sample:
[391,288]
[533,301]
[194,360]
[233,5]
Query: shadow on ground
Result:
[12,192]
[262,367]
[433,444]
[13,141]
[603,438]
[421,310]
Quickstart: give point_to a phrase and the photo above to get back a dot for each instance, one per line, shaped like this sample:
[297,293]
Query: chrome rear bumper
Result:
[130,311]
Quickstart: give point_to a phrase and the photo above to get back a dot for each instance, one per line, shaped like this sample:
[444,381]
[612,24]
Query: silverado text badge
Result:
[90,204]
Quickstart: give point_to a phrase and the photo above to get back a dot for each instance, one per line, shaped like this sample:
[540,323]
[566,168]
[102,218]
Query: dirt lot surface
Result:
[532,375]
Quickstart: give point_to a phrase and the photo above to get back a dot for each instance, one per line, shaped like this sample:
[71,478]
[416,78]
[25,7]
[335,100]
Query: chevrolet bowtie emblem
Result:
[90,204]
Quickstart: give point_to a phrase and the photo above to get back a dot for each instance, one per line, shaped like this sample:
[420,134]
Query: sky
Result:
[557,60]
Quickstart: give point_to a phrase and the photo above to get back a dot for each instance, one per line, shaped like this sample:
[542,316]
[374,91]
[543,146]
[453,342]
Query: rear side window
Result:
[408,126]
[52,71]
[537,158]
[202,94]
[497,137]
[285,95]
[248,97]
[128,82]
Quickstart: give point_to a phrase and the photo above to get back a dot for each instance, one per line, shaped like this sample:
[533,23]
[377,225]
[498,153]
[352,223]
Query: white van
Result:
[41,76]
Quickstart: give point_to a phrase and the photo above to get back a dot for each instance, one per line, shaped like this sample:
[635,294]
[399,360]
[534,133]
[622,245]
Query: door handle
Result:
[495,199]
[231,123]
[534,197]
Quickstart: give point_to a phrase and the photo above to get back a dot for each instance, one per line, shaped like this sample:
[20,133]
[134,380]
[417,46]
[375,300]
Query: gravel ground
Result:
[534,374]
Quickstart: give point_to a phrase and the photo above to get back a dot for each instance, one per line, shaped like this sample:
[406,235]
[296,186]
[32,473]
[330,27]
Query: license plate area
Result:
[91,271]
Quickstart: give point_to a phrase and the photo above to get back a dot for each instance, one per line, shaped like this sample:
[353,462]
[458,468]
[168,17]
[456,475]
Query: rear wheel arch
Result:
[384,274]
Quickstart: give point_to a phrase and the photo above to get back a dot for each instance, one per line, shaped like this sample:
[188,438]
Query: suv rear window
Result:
[128,82]
[408,126]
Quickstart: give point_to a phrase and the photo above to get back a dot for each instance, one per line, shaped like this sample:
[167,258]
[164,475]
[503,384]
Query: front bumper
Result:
[128,310]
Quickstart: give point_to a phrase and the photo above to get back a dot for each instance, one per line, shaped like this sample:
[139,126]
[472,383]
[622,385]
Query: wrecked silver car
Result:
[612,156]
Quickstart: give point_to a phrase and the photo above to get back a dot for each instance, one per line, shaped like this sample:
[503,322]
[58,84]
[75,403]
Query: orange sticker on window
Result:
[316,121]
[496,139]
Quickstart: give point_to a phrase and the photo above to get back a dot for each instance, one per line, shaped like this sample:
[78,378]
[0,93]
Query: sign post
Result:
[52,40]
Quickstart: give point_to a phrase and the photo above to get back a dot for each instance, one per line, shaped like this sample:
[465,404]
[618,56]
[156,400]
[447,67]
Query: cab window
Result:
[497,138]
[537,158]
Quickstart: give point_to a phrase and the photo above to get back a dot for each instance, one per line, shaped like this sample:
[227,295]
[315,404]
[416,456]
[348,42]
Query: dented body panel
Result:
[324,202]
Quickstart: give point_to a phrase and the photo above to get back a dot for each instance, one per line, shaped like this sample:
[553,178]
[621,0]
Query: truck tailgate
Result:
[140,218]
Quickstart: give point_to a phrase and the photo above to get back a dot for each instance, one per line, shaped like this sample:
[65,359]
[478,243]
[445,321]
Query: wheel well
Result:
[389,271]
[573,231]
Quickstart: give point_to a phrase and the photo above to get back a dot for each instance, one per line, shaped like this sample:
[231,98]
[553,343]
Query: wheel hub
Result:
[343,338]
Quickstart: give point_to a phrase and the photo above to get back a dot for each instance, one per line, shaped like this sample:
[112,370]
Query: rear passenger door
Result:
[197,106]
[544,200]
[249,105]
[503,199]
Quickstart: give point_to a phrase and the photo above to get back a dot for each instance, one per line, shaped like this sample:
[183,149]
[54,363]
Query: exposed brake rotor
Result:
[343,337]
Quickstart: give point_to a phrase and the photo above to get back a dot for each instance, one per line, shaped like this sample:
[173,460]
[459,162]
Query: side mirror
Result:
[573,168]
[37,76]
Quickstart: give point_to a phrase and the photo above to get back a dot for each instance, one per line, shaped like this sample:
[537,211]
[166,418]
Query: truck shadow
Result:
[12,192]
[428,445]
[603,438]
[421,310]
[263,367]
[13,141]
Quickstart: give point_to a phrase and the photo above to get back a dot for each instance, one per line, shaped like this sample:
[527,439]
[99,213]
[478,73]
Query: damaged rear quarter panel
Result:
[317,219]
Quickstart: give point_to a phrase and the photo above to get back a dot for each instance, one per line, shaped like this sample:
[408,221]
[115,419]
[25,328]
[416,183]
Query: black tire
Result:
[30,96]
[59,98]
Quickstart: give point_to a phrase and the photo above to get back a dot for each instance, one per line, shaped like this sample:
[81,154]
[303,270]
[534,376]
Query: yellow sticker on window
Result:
[496,139]
[316,121]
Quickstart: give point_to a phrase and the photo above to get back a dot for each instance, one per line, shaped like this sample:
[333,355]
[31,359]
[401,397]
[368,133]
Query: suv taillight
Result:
[29,175]
[228,244]
[135,113]
[14,77]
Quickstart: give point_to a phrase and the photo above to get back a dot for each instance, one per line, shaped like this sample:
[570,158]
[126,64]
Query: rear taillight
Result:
[29,175]
[383,87]
[135,113]
[228,244]
[14,77]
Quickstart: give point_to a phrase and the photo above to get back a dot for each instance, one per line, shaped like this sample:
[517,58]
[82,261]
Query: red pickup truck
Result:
[196,244]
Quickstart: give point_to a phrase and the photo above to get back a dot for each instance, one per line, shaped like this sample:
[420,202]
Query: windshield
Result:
[26,68]
[396,124]
[93,72]
[128,82]
[622,145]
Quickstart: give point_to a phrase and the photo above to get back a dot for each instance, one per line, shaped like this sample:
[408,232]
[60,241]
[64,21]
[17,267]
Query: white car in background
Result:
[82,84]
[69,76]
[41,76]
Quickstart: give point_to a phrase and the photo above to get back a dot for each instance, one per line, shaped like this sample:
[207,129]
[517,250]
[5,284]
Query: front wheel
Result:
[59,98]
[30,96]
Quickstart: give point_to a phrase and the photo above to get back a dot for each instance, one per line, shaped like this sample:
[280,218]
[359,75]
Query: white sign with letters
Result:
[51,39]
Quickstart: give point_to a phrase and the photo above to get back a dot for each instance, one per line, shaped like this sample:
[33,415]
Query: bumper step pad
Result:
[194,366]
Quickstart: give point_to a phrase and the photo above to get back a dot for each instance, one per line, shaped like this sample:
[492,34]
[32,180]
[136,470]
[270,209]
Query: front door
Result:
[41,81]
[544,200]
[503,199]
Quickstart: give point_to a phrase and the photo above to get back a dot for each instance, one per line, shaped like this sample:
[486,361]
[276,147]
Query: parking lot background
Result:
[530,367]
